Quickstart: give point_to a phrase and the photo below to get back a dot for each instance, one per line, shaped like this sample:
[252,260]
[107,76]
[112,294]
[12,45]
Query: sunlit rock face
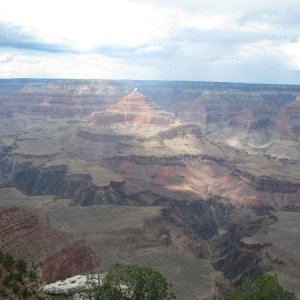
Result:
[134,108]
[72,285]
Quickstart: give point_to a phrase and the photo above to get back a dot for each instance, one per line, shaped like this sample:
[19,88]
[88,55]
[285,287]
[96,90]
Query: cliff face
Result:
[75,259]
[268,184]
[23,235]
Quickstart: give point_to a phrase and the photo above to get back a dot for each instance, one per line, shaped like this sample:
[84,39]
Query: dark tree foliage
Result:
[8,279]
[265,287]
[25,293]
[32,275]
[130,282]
[21,266]
[15,288]
[8,262]
[17,281]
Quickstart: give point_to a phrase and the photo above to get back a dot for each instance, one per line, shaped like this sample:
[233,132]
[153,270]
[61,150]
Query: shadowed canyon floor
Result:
[196,179]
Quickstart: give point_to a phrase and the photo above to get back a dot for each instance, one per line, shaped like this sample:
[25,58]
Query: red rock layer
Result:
[76,259]
[59,255]
[134,108]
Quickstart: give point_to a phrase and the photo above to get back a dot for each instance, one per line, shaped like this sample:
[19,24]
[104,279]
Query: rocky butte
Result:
[134,108]
[199,180]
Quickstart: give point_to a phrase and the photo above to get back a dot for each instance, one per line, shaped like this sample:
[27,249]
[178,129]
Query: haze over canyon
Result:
[200,180]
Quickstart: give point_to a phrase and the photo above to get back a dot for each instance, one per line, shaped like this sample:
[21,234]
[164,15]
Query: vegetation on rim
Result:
[265,287]
[17,280]
[129,282]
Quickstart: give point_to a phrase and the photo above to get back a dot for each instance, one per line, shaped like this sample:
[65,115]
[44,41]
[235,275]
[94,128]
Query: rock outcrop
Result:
[268,183]
[58,254]
[70,286]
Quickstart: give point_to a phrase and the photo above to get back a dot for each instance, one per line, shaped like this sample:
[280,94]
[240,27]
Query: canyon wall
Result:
[24,236]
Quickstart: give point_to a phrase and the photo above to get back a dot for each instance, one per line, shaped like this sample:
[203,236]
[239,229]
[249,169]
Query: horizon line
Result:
[153,80]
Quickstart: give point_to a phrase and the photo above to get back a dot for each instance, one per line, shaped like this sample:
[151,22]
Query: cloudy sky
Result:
[207,40]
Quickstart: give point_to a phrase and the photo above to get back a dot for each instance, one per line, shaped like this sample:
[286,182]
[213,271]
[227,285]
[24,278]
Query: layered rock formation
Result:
[218,159]
[58,254]
[134,108]
[58,98]
[199,176]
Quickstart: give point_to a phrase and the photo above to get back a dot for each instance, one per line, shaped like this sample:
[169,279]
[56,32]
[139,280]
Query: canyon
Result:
[192,178]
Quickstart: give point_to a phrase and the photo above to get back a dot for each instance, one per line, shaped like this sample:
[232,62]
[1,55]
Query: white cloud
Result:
[71,66]
[152,39]
[291,51]
[88,24]
[5,58]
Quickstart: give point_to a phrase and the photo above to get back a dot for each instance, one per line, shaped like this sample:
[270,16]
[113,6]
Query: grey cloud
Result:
[205,49]
[285,15]
[250,71]
[13,37]
[178,44]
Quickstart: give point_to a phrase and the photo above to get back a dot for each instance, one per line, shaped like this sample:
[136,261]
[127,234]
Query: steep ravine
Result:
[222,226]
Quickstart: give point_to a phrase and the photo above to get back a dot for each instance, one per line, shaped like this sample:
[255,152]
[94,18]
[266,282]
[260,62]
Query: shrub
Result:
[124,282]
[21,266]
[265,287]
[8,279]
[25,293]
[32,276]
[8,262]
